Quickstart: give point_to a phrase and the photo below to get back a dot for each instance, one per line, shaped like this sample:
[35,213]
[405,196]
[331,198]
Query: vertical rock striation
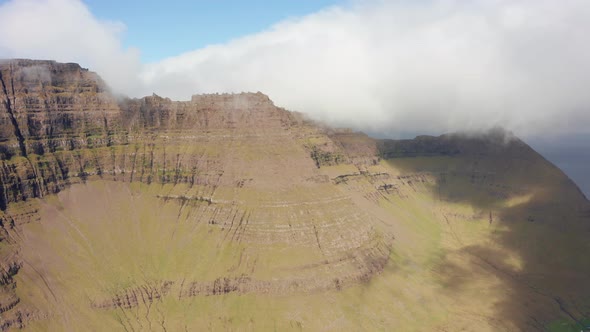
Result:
[227,195]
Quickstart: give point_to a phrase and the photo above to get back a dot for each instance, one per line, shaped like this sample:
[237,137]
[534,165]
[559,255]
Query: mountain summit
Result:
[227,212]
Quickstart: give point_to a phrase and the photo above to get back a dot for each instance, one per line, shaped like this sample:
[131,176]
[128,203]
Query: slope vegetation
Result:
[228,213]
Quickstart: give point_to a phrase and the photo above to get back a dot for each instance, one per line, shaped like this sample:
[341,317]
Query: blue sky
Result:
[167,28]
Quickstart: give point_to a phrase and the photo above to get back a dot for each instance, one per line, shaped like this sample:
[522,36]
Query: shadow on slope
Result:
[538,225]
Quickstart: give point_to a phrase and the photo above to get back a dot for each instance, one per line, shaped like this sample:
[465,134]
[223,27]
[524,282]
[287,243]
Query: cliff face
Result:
[48,107]
[237,156]
[126,213]
[54,117]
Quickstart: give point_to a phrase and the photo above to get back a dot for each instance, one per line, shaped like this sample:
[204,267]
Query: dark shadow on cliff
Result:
[537,214]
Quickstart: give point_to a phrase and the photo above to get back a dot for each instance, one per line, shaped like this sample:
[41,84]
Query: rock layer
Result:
[123,213]
[250,169]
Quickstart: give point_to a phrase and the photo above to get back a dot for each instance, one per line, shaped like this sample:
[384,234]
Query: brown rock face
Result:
[52,114]
[45,108]
[238,157]
[48,106]
[120,213]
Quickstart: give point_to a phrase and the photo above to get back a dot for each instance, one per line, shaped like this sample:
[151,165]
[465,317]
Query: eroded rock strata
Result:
[126,213]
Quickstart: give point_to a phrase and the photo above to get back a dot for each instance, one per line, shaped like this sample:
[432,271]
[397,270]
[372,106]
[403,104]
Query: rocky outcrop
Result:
[49,107]
[63,127]
[60,125]
[130,298]
[227,197]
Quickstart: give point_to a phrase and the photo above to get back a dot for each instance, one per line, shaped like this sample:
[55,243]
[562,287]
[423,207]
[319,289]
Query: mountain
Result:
[227,212]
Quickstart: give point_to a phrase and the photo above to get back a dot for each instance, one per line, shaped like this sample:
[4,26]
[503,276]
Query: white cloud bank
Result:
[404,66]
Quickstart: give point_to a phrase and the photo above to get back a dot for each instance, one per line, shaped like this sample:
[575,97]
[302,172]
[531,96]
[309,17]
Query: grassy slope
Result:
[450,268]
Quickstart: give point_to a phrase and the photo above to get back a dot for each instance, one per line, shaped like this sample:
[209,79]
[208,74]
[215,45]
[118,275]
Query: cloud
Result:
[66,31]
[428,66]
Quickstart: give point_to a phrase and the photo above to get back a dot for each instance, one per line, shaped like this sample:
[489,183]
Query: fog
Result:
[393,67]
[424,66]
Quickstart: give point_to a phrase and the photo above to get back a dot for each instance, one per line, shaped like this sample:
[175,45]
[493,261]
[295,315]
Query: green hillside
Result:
[228,213]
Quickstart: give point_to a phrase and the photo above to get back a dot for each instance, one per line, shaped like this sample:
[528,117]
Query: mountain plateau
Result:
[227,212]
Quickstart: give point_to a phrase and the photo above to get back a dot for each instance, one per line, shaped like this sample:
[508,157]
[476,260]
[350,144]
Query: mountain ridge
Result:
[229,196]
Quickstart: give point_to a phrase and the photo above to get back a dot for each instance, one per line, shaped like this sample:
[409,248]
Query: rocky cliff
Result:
[127,214]
[55,116]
